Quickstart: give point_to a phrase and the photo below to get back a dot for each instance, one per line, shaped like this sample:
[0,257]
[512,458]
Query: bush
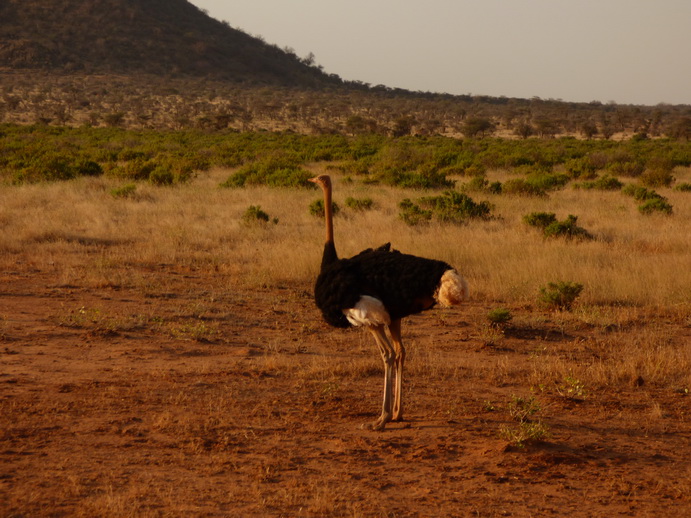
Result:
[683,187]
[317,208]
[652,201]
[87,168]
[632,169]
[412,214]
[276,170]
[138,169]
[640,193]
[567,229]
[655,205]
[658,177]
[540,220]
[476,183]
[456,207]
[162,175]
[521,187]
[604,183]
[499,316]
[547,181]
[560,295]
[580,168]
[126,191]
[551,227]
[415,179]
[359,204]
[255,214]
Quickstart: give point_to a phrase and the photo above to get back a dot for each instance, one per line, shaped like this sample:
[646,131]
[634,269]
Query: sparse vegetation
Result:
[255,214]
[551,227]
[655,205]
[316,208]
[527,429]
[450,207]
[359,204]
[572,388]
[499,316]
[126,191]
[560,295]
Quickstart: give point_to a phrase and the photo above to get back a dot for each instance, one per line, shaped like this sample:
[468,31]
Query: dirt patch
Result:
[193,397]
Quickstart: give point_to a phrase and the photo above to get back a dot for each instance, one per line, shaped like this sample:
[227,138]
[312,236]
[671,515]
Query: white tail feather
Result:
[452,290]
[368,312]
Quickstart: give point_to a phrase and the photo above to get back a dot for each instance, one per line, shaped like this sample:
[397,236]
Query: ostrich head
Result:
[323,181]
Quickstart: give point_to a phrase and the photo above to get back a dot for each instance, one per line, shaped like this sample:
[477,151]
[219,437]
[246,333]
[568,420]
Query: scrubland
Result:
[162,356]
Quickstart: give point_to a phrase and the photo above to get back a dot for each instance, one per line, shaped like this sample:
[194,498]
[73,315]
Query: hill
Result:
[167,64]
[159,37]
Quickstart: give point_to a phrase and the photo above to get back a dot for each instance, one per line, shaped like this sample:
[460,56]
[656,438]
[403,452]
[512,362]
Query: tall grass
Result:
[81,230]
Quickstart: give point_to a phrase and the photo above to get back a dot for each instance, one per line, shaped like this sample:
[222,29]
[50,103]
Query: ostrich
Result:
[375,289]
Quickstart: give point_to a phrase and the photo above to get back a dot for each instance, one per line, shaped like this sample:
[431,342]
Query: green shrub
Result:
[412,214]
[567,229]
[495,188]
[126,191]
[632,168]
[275,170]
[523,409]
[499,316]
[255,214]
[162,175]
[603,183]
[316,208]
[560,295]
[655,205]
[640,193]
[581,168]
[456,207]
[476,183]
[540,220]
[683,187]
[359,204]
[138,169]
[657,177]
[528,428]
[525,432]
[551,227]
[545,181]
[521,187]
[87,168]
[415,179]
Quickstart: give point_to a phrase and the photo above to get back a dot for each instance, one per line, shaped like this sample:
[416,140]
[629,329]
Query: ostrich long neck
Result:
[330,255]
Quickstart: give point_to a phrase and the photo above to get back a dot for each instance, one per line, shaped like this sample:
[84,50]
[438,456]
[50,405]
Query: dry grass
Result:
[85,233]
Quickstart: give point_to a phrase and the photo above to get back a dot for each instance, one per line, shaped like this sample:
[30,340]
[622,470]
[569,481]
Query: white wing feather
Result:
[369,311]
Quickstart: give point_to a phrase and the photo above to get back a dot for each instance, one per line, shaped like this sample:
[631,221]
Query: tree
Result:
[546,128]
[588,129]
[402,126]
[524,130]
[474,126]
[681,129]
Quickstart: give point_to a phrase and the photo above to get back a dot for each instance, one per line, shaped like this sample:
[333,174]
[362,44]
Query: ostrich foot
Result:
[376,426]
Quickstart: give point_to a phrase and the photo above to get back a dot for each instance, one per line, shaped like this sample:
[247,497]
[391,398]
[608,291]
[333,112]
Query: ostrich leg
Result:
[388,357]
[399,359]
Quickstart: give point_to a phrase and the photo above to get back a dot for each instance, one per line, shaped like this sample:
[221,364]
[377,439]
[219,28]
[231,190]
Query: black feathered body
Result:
[405,283]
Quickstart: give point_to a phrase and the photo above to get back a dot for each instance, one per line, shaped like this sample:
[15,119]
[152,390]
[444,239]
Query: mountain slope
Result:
[171,37]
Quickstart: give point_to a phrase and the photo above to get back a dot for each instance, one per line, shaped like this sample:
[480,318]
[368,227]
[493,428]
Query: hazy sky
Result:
[627,51]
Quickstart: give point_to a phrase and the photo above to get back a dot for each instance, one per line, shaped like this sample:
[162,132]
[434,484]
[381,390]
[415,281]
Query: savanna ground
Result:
[159,357]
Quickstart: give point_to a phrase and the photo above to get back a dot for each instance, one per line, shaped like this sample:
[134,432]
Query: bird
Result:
[376,289]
